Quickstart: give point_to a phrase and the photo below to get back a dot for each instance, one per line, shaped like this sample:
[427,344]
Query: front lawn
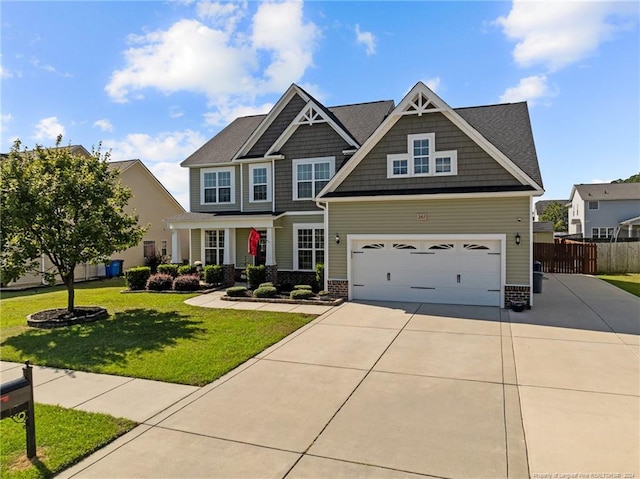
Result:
[151,336]
[63,437]
[630,282]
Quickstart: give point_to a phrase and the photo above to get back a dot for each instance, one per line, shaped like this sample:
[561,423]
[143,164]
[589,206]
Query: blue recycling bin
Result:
[116,267]
[108,270]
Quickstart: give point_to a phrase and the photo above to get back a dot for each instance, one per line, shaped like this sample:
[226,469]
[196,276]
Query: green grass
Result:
[151,336]
[63,437]
[630,282]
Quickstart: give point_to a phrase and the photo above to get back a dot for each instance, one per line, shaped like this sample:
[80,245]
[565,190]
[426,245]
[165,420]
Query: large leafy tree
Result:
[558,214]
[69,207]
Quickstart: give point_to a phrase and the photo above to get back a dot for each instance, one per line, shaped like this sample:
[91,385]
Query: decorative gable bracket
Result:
[309,116]
[419,104]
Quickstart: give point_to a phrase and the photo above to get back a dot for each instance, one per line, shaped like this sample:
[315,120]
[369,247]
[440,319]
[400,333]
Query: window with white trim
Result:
[163,247]
[217,185]
[310,175]
[213,245]
[259,183]
[149,249]
[422,159]
[602,232]
[308,241]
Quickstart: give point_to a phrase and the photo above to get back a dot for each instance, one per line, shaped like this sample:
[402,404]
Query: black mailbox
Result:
[14,396]
[16,401]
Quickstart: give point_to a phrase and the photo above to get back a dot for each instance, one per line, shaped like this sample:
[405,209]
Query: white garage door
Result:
[441,271]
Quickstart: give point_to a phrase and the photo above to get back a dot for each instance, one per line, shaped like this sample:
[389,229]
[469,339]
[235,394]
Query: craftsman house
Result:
[414,202]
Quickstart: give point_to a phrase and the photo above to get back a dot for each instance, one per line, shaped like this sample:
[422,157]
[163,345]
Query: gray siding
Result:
[284,237]
[194,194]
[247,205]
[454,216]
[609,214]
[307,142]
[475,167]
[279,124]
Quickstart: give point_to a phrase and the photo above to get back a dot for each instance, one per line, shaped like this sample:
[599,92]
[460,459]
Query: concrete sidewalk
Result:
[394,390]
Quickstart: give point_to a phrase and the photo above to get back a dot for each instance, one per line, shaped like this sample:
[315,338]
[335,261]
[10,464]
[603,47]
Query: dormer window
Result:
[422,159]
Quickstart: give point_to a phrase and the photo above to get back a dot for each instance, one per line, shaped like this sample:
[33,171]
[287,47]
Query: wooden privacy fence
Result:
[619,257]
[574,258]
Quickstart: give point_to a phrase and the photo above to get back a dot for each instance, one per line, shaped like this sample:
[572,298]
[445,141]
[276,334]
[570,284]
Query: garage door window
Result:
[309,250]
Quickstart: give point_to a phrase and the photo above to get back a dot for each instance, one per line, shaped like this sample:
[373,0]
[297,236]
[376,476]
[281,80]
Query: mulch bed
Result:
[55,318]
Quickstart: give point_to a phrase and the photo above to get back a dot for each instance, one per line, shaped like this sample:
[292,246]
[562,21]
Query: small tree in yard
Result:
[66,206]
[557,214]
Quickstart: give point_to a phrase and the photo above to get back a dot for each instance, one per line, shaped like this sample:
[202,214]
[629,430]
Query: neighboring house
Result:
[540,206]
[543,232]
[414,202]
[151,202]
[605,210]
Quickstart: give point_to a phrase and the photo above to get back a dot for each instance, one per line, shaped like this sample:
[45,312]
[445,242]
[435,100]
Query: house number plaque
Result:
[421,217]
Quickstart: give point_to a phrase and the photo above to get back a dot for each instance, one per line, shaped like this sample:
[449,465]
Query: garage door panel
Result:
[454,272]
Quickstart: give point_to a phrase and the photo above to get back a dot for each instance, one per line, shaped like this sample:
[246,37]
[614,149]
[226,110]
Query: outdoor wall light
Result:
[337,238]
[517,238]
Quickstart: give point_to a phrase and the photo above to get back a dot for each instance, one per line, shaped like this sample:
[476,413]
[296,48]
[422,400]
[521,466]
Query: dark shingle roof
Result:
[609,191]
[359,120]
[508,127]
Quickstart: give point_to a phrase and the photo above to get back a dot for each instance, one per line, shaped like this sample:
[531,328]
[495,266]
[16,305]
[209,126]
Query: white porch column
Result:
[227,257]
[175,247]
[271,250]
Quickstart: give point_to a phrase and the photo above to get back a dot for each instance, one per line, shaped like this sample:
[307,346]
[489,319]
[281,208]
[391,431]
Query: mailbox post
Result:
[16,402]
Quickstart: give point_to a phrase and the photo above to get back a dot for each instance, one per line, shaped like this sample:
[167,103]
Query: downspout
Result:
[325,215]
[241,190]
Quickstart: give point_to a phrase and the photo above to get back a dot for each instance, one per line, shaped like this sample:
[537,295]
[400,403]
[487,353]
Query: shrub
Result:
[320,274]
[236,291]
[187,282]
[265,292]
[136,278]
[186,269]
[170,269]
[159,282]
[153,261]
[302,287]
[301,294]
[256,275]
[262,285]
[213,274]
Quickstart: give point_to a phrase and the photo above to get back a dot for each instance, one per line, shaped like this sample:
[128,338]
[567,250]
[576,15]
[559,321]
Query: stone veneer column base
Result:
[338,288]
[516,293]
[272,273]
[228,274]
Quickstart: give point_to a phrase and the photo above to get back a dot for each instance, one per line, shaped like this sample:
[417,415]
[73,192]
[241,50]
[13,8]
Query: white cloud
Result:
[213,56]
[367,39]
[48,129]
[5,119]
[104,124]
[279,28]
[433,83]
[530,89]
[555,34]
[225,115]
[162,154]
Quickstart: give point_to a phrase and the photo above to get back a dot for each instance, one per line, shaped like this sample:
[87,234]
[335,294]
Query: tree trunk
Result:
[68,280]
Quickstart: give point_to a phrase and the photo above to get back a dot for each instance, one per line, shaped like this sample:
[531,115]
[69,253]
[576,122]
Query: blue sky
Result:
[155,80]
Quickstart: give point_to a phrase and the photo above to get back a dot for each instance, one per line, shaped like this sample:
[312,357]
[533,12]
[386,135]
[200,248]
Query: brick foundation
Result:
[291,278]
[228,274]
[338,288]
[272,273]
[516,293]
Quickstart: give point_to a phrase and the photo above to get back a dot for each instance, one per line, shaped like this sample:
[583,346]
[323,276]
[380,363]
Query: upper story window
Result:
[217,186]
[422,159]
[593,205]
[310,175]
[259,183]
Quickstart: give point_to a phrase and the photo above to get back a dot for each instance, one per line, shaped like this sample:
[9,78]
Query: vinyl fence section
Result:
[618,257]
[573,258]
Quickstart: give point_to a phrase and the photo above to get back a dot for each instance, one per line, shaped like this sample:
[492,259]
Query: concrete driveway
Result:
[407,390]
